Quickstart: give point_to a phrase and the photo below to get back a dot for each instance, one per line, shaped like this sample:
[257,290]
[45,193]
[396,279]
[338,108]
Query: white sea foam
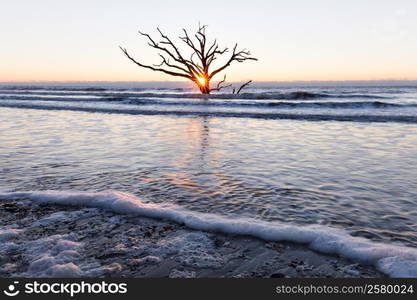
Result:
[8,234]
[62,216]
[52,256]
[394,260]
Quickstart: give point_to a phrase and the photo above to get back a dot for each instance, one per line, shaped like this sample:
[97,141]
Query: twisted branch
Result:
[242,87]
[221,85]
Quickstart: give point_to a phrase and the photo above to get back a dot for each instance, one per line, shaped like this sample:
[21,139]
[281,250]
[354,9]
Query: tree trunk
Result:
[205,89]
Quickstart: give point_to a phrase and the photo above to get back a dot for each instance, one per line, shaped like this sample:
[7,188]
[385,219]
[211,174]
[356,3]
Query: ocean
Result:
[330,166]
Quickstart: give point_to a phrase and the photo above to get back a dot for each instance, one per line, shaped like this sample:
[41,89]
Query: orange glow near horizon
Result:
[263,71]
[259,72]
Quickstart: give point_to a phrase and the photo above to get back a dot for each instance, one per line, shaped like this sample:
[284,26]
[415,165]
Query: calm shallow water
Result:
[352,175]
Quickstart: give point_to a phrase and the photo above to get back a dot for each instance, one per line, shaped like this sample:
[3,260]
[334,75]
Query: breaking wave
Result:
[178,111]
[383,104]
[184,94]
[394,260]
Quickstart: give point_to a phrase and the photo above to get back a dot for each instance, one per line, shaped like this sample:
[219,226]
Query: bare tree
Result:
[196,67]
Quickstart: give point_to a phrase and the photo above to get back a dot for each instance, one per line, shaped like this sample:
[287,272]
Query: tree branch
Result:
[242,87]
[155,68]
[239,56]
[220,85]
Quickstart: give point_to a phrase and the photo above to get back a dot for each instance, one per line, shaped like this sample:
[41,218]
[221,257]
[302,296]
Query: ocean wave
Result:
[180,93]
[132,110]
[143,100]
[63,98]
[393,260]
[281,104]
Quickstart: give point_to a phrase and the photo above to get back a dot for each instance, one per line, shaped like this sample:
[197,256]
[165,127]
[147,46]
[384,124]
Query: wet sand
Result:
[67,241]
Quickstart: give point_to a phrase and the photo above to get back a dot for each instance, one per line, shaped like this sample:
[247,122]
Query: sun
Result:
[201,80]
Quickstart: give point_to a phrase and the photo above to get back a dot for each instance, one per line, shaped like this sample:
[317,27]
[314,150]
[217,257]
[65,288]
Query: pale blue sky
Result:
[294,40]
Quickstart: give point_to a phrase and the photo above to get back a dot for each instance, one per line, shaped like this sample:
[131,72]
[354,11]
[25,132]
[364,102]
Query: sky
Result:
[293,39]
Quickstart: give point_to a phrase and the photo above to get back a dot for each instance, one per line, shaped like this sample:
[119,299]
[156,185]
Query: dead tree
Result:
[197,67]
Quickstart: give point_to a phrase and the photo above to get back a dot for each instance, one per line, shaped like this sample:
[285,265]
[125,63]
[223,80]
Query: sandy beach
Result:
[68,241]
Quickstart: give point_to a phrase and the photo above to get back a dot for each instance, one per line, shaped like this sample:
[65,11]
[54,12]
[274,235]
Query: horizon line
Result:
[184,81]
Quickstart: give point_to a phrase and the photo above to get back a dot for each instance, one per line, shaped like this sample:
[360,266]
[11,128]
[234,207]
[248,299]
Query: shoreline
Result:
[48,240]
